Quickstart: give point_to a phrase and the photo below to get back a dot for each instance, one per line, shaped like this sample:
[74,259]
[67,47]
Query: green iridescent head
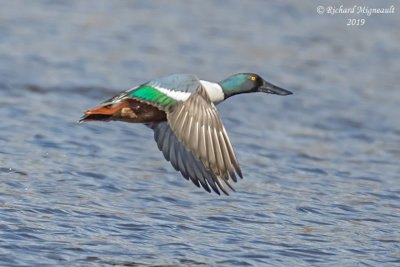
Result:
[247,83]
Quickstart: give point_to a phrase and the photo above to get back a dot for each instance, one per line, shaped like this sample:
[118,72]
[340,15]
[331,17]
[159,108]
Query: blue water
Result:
[321,167]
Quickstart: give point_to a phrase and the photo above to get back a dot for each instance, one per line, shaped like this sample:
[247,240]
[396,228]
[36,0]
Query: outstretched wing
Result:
[196,124]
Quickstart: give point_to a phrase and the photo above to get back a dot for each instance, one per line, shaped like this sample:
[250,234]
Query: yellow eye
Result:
[253,78]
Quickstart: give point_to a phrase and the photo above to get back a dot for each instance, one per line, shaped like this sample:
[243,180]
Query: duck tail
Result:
[103,112]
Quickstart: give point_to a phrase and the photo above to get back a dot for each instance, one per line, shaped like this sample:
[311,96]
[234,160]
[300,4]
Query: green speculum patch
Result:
[152,95]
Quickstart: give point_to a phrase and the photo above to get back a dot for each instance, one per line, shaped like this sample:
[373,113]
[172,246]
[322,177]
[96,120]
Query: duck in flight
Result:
[180,109]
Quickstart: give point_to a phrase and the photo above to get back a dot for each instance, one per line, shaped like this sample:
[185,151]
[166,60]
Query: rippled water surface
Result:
[321,167]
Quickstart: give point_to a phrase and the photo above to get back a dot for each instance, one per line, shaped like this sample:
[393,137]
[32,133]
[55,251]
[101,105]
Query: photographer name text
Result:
[332,10]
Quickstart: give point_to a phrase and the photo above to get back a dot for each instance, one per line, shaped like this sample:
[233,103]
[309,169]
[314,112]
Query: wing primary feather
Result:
[188,162]
[213,186]
[196,169]
[210,149]
[196,180]
[226,156]
[180,163]
[210,178]
[160,136]
[217,148]
[195,140]
[197,174]
[212,146]
[185,163]
[230,186]
[221,186]
[203,147]
[166,145]
[171,150]
[232,154]
[219,155]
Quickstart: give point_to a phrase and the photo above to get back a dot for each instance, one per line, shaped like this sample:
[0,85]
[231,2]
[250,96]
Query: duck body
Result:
[180,109]
[149,102]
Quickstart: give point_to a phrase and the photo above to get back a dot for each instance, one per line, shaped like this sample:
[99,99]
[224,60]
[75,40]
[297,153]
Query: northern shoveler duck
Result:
[180,109]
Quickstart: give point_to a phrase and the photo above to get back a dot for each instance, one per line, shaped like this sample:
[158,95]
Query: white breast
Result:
[214,91]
